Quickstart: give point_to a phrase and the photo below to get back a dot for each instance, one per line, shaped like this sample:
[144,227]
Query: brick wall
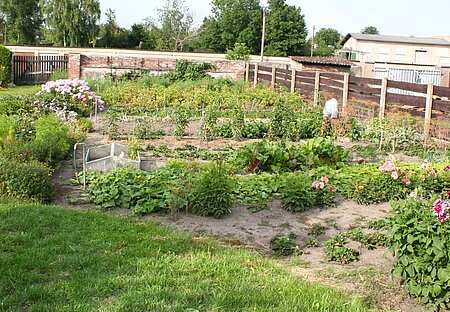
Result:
[96,66]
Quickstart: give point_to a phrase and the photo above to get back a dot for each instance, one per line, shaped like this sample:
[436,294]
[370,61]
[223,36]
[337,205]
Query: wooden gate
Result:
[30,70]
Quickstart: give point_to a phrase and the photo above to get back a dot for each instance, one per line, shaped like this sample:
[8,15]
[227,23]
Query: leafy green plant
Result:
[112,128]
[237,123]
[282,245]
[146,131]
[186,70]
[142,192]
[30,181]
[336,250]
[421,245]
[317,230]
[311,243]
[296,192]
[181,120]
[371,240]
[211,193]
[282,122]
[257,190]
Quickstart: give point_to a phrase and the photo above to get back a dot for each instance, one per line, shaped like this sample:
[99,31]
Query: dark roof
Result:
[323,60]
[398,39]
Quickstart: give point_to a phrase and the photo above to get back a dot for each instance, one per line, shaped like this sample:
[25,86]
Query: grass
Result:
[20,90]
[52,259]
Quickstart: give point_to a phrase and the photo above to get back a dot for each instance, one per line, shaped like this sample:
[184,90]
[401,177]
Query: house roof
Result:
[398,39]
[322,60]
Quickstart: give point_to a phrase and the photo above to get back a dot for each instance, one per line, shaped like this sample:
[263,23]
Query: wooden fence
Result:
[28,70]
[380,96]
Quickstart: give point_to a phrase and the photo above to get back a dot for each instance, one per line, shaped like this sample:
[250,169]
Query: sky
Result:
[392,17]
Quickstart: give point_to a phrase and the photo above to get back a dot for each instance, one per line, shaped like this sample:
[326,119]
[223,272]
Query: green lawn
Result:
[52,259]
[20,90]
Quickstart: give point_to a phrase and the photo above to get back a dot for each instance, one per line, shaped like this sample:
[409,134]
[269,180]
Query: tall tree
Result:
[72,22]
[286,30]
[326,41]
[111,34]
[176,25]
[23,20]
[370,30]
[232,21]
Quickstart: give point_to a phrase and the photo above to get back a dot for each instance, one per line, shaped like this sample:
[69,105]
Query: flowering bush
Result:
[419,232]
[325,194]
[440,210]
[70,95]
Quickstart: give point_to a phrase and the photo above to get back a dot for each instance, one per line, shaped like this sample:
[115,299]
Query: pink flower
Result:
[332,188]
[394,175]
[406,181]
[447,168]
[432,172]
[443,218]
[439,207]
[324,180]
[318,185]
[388,166]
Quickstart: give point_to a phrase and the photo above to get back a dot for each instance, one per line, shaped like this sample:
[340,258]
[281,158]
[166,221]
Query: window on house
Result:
[383,54]
[400,55]
[421,57]
[366,54]
[444,60]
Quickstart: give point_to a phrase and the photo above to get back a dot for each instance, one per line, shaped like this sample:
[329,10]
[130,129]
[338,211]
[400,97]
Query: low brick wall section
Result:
[97,66]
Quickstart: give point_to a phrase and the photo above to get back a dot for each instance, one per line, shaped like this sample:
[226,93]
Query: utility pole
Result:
[312,41]
[263,34]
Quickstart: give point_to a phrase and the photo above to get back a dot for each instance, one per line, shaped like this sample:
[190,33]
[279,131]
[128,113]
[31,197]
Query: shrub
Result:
[421,244]
[186,70]
[13,105]
[47,141]
[5,65]
[240,52]
[67,94]
[296,193]
[212,192]
[29,181]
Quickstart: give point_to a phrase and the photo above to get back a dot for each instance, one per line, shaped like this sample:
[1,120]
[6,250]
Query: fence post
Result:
[247,70]
[345,91]
[316,88]
[428,111]
[293,77]
[383,95]
[274,75]
[255,77]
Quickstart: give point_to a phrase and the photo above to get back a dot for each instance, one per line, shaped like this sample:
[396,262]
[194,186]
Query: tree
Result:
[326,41]
[370,30]
[286,30]
[232,21]
[23,20]
[112,35]
[72,22]
[176,23]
